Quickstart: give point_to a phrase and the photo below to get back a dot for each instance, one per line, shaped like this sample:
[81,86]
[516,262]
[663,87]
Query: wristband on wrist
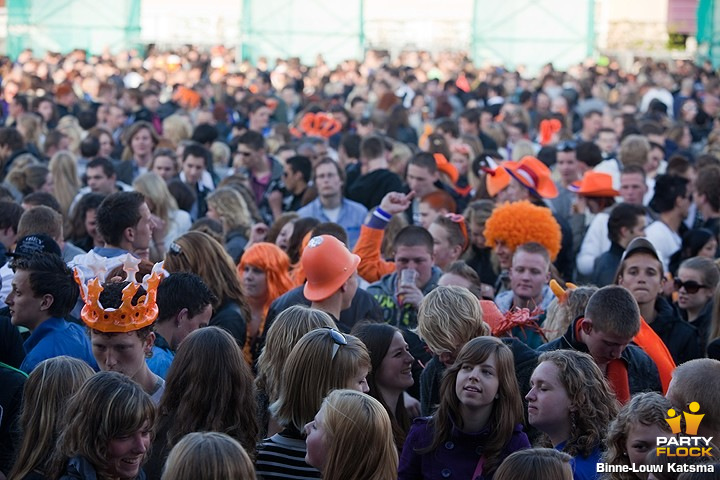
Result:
[382,214]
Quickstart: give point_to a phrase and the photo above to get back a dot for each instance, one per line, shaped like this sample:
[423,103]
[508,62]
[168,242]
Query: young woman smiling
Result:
[391,372]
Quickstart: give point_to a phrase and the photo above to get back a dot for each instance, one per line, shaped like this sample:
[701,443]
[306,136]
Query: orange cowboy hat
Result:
[594,184]
[533,175]
[496,178]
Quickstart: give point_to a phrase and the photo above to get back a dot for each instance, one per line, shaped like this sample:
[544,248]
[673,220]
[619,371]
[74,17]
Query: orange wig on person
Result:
[520,222]
[269,258]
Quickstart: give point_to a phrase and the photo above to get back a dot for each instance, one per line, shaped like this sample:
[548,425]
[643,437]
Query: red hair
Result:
[269,258]
[440,199]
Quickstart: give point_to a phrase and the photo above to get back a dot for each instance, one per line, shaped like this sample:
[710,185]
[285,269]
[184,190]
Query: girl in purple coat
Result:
[478,422]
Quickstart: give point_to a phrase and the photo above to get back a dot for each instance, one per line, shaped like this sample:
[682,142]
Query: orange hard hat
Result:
[328,264]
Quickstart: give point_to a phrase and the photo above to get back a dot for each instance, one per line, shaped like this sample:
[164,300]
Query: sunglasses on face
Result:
[691,286]
[338,338]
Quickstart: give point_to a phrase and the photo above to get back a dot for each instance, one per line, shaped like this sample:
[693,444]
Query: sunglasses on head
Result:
[175,249]
[691,286]
[566,146]
[339,340]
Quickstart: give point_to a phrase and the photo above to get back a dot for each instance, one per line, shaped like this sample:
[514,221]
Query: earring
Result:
[497,395]
[573,422]
[149,354]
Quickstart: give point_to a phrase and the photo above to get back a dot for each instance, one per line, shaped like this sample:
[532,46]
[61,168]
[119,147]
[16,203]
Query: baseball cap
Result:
[33,244]
[328,264]
[640,245]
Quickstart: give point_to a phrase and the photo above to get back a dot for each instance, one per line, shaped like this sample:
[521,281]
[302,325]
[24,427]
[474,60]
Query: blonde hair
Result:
[561,313]
[231,208]
[448,317]
[220,154]
[284,333]
[644,408]
[311,372]
[156,194]
[522,148]
[45,396]
[20,172]
[70,127]
[63,168]
[208,455]
[177,128]
[351,419]
[30,126]
[634,150]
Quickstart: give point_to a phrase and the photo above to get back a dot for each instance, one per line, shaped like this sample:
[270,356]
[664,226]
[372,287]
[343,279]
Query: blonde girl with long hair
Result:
[174,221]
[322,361]
[284,333]
[228,206]
[347,419]
[66,182]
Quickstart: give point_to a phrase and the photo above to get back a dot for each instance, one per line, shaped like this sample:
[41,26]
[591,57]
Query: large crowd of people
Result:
[397,268]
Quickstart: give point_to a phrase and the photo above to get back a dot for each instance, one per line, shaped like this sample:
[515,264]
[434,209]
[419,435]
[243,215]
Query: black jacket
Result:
[231,318]
[480,259]
[13,382]
[643,375]
[369,189]
[702,323]
[681,338]
[606,266]
[11,343]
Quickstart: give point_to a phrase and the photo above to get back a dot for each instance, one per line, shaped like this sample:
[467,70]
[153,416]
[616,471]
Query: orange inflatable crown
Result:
[318,124]
[126,318]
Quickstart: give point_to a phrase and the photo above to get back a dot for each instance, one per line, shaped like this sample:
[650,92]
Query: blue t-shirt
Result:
[162,357]
[584,468]
[54,337]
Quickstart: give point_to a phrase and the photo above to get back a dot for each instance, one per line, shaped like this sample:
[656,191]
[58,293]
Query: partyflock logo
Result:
[689,444]
[682,444]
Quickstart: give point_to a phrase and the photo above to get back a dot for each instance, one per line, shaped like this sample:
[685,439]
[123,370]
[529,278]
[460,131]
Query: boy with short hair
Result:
[612,319]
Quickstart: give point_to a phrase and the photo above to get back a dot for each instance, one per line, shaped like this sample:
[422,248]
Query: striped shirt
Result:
[282,457]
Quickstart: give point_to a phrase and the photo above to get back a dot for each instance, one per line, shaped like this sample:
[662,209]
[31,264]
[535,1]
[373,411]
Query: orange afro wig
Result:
[521,222]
